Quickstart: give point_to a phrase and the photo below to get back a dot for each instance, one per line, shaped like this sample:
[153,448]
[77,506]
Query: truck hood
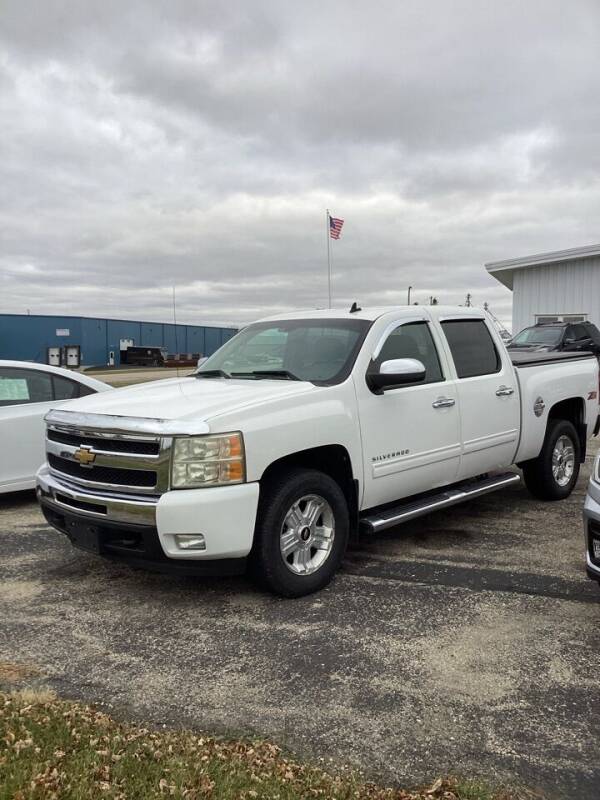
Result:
[199,399]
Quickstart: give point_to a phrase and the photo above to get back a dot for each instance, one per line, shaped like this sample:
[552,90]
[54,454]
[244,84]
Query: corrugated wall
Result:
[571,287]
[26,338]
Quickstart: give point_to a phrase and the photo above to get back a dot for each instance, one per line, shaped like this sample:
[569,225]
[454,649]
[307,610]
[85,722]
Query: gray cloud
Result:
[148,144]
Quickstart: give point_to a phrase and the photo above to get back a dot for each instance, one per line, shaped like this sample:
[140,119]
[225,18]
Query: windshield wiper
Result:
[213,373]
[267,373]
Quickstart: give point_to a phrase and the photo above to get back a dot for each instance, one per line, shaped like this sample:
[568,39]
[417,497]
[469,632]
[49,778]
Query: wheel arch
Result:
[572,410]
[332,459]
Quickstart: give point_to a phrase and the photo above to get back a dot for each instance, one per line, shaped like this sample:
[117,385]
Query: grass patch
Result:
[52,749]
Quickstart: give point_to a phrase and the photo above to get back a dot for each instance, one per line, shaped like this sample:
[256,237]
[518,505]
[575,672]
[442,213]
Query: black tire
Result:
[277,497]
[538,474]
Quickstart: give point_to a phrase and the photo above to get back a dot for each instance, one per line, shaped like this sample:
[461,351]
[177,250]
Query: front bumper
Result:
[225,516]
[591,525]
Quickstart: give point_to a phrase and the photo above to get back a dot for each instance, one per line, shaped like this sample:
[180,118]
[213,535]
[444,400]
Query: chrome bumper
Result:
[591,526]
[112,508]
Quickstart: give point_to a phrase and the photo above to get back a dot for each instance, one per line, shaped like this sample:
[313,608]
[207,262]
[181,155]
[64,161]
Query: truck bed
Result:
[529,359]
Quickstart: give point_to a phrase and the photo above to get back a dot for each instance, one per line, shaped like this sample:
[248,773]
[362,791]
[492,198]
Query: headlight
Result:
[208,461]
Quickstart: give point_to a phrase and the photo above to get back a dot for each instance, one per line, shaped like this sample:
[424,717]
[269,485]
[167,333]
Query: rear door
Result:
[26,395]
[410,434]
[488,396]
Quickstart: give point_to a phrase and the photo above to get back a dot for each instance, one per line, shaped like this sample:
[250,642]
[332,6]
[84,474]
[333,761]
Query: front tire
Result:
[553,474]
[301,532]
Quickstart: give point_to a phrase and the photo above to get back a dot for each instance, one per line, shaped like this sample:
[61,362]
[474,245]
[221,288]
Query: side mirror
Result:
[396,372]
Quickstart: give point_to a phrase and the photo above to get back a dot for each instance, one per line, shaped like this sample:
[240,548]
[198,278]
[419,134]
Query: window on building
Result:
[472,347]
[543,319]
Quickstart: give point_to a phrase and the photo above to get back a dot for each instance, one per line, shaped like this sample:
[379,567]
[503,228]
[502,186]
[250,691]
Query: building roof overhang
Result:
[504,271]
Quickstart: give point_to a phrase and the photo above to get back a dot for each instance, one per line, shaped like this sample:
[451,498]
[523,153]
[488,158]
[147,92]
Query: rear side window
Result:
[472,347]
[64,389]
[22,386]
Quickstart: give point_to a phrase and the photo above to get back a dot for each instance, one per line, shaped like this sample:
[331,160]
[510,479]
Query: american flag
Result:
[335,227]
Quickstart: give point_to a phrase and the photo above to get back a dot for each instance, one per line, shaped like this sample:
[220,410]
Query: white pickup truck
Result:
[306,429]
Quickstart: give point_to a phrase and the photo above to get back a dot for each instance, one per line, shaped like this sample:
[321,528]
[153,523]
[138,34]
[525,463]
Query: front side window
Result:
[321,351]
[472,347]
[578,332]
[412,340]
[21,386]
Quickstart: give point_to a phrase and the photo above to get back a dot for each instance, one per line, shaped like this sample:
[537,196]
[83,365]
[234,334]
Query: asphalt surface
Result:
[467,642]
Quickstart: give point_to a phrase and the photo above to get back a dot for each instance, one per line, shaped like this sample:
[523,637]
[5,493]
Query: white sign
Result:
[63,332]
[14,389]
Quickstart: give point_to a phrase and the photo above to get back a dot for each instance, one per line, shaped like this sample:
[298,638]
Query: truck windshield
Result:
[547,335]
[321,351]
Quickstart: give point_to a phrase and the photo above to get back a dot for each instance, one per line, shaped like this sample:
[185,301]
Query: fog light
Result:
[190,541]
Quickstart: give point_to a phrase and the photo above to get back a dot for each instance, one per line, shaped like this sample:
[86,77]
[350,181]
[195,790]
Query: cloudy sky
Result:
[198,144]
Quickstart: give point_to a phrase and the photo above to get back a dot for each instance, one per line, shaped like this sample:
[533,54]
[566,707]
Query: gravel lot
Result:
[467,642]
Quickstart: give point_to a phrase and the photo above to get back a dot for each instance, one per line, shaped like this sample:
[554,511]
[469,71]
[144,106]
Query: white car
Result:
[27,392]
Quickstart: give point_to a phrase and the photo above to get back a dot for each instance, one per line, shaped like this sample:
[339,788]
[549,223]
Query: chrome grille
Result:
[116,475]
[122,462]
[138,446]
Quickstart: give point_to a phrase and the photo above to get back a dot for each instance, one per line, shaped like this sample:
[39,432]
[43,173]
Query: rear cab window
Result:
[472,346]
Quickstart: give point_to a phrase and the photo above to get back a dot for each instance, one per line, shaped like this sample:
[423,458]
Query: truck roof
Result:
[373,313]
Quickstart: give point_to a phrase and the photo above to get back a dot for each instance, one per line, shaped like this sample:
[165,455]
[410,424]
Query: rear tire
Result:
[301,532]
[553,474]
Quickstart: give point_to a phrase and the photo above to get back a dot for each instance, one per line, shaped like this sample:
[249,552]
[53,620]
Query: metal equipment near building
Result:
[86,341]
[560,286]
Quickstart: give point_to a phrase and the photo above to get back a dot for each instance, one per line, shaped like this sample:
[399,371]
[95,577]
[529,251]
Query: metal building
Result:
[87,341]
[551,287]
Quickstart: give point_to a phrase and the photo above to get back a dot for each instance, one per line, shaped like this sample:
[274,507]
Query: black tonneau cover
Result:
[536,359]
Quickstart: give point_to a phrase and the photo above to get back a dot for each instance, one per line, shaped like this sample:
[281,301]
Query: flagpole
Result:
[327,225]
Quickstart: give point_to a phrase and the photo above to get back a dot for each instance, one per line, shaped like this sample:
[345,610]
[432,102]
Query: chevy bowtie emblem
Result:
[84,456]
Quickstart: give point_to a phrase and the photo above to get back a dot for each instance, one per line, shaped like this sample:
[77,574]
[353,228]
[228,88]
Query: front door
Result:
[25,397]
[488,394]
[411,434]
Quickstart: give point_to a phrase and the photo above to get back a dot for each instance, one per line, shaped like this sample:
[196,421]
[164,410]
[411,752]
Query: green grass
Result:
[52,749]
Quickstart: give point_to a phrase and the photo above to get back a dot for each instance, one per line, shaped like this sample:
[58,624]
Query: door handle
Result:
[443,402]
[504,391]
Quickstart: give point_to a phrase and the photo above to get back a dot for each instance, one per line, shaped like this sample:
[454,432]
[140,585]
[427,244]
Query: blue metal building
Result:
[91,341]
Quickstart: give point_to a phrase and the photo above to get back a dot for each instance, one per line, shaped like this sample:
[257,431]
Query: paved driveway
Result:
[465,642]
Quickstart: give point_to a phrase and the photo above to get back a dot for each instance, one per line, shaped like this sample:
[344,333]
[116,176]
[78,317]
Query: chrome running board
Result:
[375,521]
